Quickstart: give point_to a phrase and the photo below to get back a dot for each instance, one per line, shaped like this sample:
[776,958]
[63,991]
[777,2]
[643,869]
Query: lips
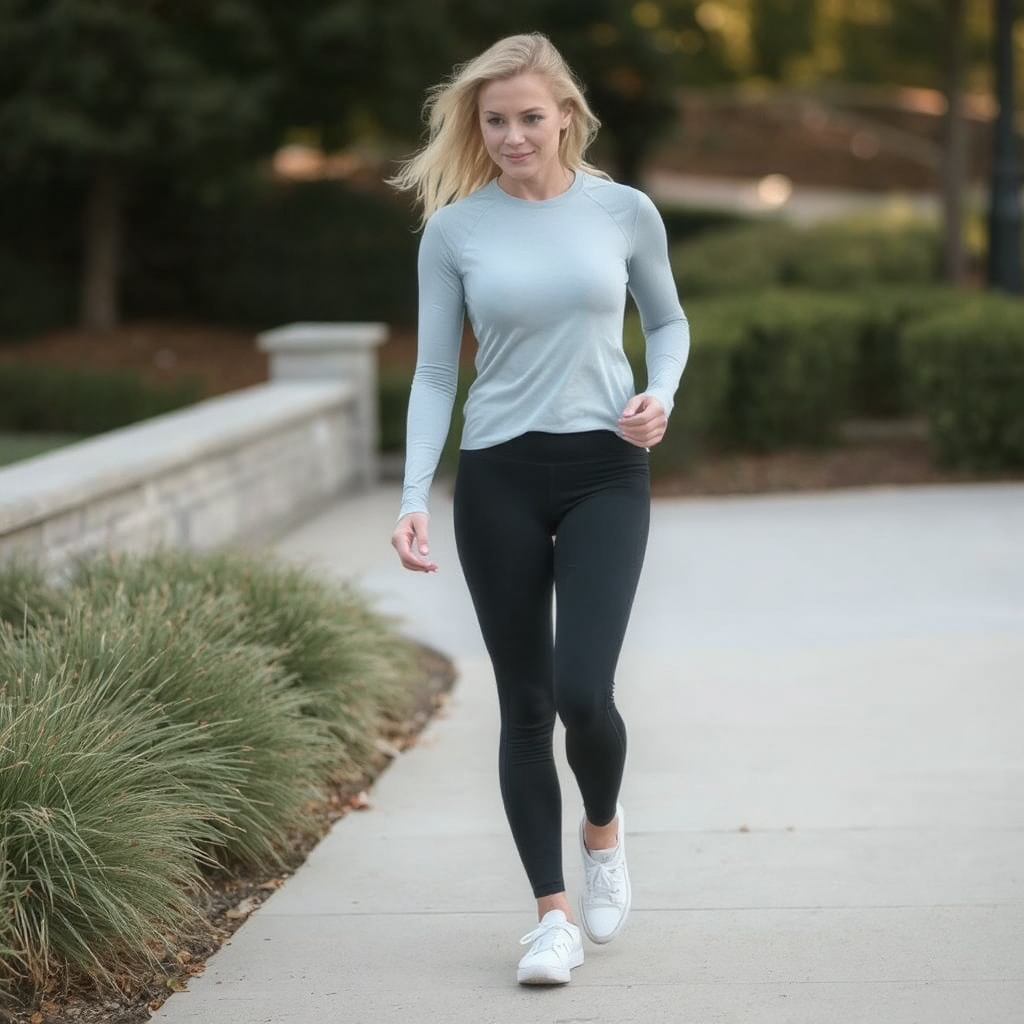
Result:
[517,157]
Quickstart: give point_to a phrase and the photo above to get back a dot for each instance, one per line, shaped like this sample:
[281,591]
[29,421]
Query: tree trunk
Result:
[1005,216]
[954,147]
[102,263]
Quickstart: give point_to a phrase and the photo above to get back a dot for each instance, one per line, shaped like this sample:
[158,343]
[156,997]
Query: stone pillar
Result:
[341,351]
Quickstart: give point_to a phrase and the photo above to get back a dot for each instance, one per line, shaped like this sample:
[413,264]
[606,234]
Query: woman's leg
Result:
[599,553]
[505,548]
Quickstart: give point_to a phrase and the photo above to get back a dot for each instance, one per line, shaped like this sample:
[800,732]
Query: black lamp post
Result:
[1004,222]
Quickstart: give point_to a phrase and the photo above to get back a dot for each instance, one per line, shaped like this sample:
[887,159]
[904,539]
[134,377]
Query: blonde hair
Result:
[453,162]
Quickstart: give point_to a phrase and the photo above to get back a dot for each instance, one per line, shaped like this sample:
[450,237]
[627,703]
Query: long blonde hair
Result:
[453,162]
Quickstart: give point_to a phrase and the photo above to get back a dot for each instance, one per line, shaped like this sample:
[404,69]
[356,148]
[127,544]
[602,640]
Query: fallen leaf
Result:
[243,909]
[360,802]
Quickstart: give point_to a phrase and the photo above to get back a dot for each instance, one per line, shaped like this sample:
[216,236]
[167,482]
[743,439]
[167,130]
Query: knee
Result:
[579,707]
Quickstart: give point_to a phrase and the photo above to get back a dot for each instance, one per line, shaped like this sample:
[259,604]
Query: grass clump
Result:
[344,662]
[161,715]
[178,654]
[99,840]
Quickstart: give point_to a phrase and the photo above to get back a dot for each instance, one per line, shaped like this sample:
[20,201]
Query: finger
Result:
[632,407]
[411,542]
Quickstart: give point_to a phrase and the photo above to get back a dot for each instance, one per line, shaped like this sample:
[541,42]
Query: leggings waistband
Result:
[579,446]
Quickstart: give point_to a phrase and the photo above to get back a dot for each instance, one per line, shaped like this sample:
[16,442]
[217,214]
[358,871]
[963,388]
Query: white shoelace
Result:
[605,882]
[552,935]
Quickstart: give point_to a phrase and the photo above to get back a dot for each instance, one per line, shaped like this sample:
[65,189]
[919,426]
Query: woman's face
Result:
[521,125]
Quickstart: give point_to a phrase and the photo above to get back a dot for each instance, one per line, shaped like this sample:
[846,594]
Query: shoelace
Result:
[604,882]
[555,933]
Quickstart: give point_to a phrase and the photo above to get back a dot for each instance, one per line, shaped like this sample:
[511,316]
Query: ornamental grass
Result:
[162,715]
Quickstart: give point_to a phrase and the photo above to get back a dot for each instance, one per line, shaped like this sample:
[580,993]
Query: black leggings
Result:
[564,515]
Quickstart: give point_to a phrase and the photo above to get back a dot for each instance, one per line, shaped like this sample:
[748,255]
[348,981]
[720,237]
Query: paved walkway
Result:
[825,791]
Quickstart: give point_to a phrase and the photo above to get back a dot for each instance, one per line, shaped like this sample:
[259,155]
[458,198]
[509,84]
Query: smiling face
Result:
[521,125]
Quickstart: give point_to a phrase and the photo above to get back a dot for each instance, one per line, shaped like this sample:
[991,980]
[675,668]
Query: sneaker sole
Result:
[541,975]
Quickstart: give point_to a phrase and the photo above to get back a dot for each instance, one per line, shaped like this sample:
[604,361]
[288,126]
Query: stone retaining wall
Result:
[230,469]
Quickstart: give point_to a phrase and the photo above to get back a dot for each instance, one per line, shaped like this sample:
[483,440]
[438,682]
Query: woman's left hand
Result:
[643,422]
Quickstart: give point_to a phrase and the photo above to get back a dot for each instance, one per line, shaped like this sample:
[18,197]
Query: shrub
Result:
[343,662]
[179,655]
[684,223]
[99,843]
[967,366]
[881,386]
[36,297]
[859,251]
[26,596]
[395,383]
[700,404]
[843,254]
[792,371]
[40,398]
[733,261]
[319,250]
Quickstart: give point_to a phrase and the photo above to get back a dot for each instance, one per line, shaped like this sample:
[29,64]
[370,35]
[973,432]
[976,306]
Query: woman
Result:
[552,494]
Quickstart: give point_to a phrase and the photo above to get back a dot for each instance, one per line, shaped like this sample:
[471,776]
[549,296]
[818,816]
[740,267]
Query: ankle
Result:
[556,901]
[601,837]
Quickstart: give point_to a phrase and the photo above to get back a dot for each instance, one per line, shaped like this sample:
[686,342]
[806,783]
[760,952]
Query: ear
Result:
[567,112]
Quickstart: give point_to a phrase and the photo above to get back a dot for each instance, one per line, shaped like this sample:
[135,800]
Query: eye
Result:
[494,120]
[534,118]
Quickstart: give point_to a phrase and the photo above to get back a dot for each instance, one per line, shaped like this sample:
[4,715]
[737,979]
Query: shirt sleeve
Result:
[439,337]
[665,327]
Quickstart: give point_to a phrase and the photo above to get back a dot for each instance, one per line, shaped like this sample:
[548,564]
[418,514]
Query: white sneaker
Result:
[604,904]
[556,947]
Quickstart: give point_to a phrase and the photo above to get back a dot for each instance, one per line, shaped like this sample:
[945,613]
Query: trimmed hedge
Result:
[850,253]
[56,400]
[967,367]
[308,251]
[881,386]
[769,370]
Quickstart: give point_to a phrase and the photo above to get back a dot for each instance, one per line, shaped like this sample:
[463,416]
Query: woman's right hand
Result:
[410,541]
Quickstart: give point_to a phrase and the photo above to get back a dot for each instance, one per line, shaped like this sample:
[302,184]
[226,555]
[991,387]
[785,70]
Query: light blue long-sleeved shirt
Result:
[544,285]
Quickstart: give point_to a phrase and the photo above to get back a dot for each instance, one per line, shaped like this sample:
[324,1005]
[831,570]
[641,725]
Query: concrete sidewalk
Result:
[824,795]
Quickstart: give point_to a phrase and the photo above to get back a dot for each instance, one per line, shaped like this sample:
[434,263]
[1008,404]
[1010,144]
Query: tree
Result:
[1004,258]
[954,145]
[108,90]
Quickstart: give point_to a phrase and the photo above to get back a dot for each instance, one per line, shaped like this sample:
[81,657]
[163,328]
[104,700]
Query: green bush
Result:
[26,595]
[699,414]
[344,662]
[843,254]
[394,385]
[36,297]
[99,844]
[859,251]
[280,253]
[181,655]
[684,223]
[881,386]
[158,714]
[733,261]
[41,398]
[791,374]
[967,366]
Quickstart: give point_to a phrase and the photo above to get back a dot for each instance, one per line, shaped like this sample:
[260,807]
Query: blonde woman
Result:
[552,495]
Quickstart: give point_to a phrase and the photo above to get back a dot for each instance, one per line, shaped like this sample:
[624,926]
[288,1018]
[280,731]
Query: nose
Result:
[514,135]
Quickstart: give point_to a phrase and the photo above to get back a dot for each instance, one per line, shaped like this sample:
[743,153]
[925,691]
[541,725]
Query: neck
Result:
[559,182]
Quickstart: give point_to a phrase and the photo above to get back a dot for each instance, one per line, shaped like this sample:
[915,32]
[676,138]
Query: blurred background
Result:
[840,180]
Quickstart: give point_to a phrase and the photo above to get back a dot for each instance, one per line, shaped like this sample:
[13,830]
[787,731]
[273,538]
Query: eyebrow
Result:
[529,110]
